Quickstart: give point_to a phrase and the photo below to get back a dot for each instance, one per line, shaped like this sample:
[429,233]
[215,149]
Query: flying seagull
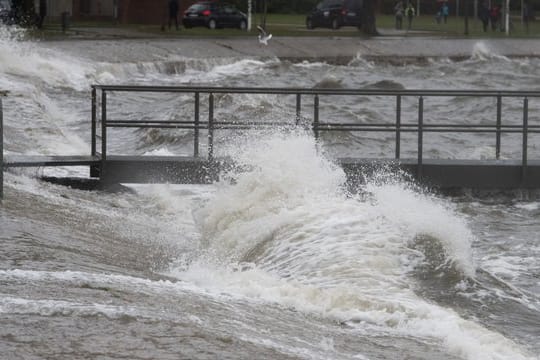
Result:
[263,36]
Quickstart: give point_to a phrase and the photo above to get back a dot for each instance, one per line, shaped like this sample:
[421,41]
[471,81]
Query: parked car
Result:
[214,15]
[335,14]
[6,12]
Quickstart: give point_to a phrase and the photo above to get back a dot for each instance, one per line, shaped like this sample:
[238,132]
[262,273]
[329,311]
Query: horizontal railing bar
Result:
[324,128]
[428,125]
[118,123]
[304,91]
[189,127]
[149,121]
[415,130]
[254,123]
[162,126]
[191,123]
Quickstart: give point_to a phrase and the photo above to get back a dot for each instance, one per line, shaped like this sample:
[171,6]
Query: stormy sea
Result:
[278,260]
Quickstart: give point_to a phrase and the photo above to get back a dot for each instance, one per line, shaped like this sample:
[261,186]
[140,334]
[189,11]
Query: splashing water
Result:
[482,52]
[278,231]
[285,230]
[31,60]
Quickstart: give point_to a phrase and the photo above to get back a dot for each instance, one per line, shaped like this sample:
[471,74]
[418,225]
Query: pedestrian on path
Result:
[444,11]
[42,13]
[409,13]
[173,13]
[526,15]
[483,14]
[494,16]
[398,11]
[438,17]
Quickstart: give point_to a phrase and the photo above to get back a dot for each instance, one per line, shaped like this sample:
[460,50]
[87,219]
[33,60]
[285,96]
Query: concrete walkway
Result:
[392,46]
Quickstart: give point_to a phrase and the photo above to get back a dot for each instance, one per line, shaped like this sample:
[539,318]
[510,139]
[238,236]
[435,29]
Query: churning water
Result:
[276,261]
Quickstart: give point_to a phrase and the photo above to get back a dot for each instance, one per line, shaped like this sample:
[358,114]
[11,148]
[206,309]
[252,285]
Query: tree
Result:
[263,13]
[24,12]
[368,18]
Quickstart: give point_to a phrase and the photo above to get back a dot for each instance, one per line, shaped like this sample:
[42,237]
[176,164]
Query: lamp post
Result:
[249,16]
[507,17]
[466,17]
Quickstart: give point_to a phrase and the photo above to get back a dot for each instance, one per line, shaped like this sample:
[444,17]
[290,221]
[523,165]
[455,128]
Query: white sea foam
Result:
[11,305]
[243,67]
[310,65]
[36,63]
[80,278]
[286,232]
[533,206]
[481,51]
[419,214]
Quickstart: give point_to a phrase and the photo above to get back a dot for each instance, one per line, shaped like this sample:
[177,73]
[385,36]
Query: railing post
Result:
[210,127]
[316,116]
[94,117]
[298,107]
[420,135]
[196,130]
[498,126]
[103,133]
[1,149]
[524,142]
[398,126]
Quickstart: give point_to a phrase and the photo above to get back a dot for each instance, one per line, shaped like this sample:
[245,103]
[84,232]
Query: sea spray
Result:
[40,65]
[283,229]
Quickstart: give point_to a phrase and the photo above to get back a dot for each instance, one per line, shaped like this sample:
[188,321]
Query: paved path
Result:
[392,46]
[393,49]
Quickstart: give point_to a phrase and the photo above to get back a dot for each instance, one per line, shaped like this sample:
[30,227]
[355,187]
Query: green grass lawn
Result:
[294,25]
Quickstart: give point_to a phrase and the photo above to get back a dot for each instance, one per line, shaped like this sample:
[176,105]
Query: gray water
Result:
[281,262]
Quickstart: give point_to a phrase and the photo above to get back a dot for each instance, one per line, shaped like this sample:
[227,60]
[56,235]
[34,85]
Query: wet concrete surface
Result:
[392,46]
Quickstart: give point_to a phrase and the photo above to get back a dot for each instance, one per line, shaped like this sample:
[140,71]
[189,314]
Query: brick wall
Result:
[147,11]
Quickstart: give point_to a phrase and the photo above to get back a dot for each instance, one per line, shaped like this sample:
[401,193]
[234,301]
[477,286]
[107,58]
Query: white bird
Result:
[263,36]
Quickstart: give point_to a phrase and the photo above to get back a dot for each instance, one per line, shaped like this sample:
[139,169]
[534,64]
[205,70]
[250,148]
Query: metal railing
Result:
[420,127]
[1,149]
[398,127]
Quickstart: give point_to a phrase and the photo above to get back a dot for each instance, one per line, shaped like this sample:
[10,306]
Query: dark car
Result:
[6,12]
[335,14]
[214,15]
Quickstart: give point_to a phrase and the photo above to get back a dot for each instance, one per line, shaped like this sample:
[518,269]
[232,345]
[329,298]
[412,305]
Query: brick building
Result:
[124,11]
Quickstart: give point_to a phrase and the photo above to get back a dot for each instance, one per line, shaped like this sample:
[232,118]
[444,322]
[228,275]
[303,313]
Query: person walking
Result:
[483,14]
[526,13]
[42,13]
[409,13]
[444,11]
[173,13]
[438,17]
[494,15]
[398,11]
